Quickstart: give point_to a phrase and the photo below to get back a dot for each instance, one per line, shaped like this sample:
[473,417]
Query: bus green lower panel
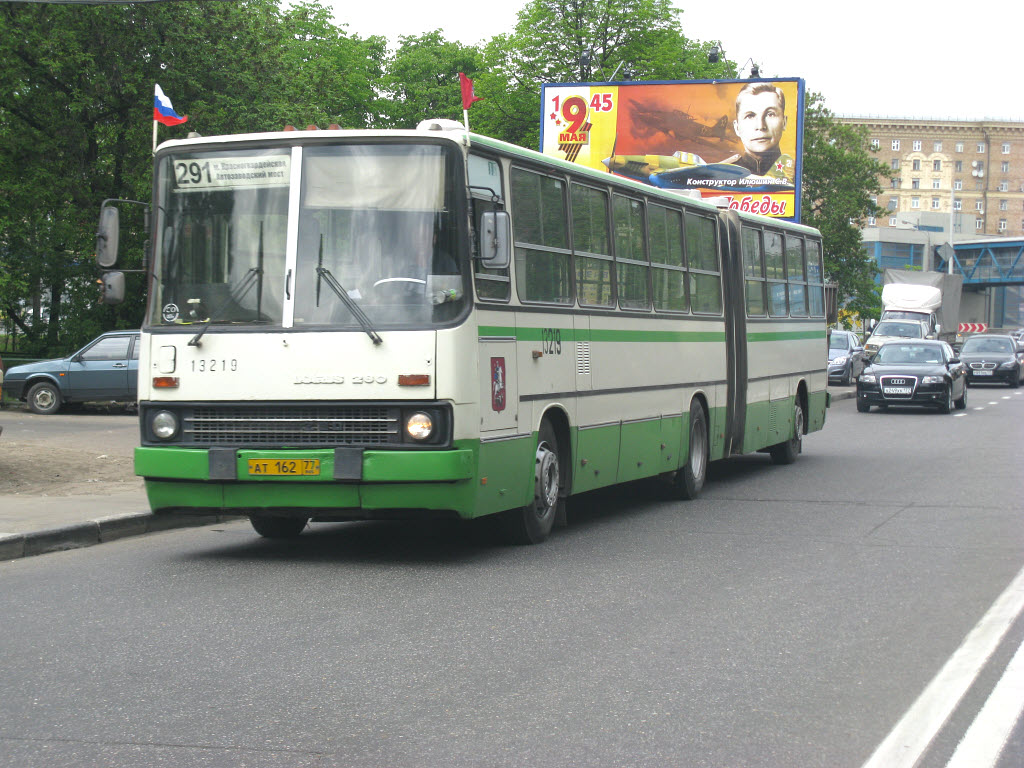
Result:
[505,474]
[596,457]
[817,402]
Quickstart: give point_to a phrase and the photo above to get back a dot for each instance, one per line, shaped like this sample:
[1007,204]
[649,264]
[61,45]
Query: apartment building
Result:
[974,167]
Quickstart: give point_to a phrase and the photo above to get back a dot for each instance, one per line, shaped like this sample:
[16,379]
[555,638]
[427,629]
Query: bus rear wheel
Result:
[532,523]
[786,452]
[689,479]
[272,527]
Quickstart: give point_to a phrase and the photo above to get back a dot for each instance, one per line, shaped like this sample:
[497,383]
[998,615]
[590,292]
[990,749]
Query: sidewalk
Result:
[33,524]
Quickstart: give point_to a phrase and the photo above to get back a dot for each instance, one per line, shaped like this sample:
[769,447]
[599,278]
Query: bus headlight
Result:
[164,425]
[419,426]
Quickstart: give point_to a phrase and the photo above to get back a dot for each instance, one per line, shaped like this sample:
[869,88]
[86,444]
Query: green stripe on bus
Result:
[571,334]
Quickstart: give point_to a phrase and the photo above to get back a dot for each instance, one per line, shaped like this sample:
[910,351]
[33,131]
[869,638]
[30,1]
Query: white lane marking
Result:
[908,740]
[979,408]
[984,741]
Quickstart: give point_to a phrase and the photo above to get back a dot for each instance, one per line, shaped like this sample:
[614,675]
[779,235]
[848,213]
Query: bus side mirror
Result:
[111,288]
[107,236]
[494,240]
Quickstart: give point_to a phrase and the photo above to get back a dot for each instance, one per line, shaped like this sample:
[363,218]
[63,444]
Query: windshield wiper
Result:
[253,277]
[323,273]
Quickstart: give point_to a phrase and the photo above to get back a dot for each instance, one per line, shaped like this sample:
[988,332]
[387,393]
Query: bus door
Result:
[733,296]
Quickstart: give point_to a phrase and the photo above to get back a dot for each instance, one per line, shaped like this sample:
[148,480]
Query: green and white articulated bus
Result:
[377,324]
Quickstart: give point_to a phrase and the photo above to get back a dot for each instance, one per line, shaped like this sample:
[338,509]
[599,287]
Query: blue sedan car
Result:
[106,368]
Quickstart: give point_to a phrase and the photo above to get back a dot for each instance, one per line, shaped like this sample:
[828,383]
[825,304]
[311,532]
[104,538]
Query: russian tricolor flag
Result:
[163,112]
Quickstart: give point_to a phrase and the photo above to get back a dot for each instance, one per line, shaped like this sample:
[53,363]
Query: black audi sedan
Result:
[993,358]
[913,372]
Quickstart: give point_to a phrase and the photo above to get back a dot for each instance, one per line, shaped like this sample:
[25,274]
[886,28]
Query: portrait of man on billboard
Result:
[759,124]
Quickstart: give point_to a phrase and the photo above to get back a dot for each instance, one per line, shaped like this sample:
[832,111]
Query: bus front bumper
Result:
[347,484]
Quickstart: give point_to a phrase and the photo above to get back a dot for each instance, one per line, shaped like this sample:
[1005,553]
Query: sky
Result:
[923,60]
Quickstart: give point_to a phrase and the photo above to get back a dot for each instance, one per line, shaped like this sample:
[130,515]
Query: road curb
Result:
[99,531]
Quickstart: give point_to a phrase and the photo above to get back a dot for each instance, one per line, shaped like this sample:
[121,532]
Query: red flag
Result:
[468,97]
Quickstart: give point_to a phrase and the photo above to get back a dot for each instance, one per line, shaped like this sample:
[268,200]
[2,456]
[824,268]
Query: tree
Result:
[839,178]
[581,40]
[422,80]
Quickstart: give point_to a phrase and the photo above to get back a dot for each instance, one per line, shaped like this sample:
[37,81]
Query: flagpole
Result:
[154,136]
[465,119]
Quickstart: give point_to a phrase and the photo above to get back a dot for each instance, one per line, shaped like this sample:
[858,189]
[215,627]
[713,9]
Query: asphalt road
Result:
[789,617]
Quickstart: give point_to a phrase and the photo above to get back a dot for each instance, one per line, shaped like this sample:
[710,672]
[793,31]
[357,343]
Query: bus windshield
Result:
[237,244]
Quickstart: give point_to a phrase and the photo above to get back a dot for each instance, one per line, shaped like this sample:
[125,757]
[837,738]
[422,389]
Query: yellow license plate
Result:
[284,467]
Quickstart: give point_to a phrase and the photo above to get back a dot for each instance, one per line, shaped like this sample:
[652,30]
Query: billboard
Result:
[736,138]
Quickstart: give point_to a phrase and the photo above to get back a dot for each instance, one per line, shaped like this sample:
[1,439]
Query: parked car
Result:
[104,369]
[845,358]
[992,358]
[913,372]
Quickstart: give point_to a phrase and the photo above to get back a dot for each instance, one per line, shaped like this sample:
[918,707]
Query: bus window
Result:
[591,247]
[795,276]
[540,227]
[484,178]
[702,260]
[668,275]
[776,273]
[630,255]
[753,271]
[815,287]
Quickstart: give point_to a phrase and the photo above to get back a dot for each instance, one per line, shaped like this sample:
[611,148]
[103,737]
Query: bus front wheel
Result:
[689,479]
[271,527]
[532,523]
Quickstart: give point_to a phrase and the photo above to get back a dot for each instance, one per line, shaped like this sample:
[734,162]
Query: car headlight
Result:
[931,380]
[164,425]
[839,361]
[867,378]
[419,426]
[1008,364]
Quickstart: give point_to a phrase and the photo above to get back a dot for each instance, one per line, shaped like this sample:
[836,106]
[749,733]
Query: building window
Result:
[876,144]
[895,163]
[915,183]
[917,165]
[979,224]
[895,183]
[935,203]
[936,184]
[1002,225]
[917,146]
[936,165]
[1004,186]
[981,147]
[893,202]
[915,202]
[937,146]
[956,205]
[871,221]
[1006,166]
[874,199]
[958,184]
[892,221]
[958,166]
[1006,149]
[959,146]
[895,145]
[1003,205]
[977,205]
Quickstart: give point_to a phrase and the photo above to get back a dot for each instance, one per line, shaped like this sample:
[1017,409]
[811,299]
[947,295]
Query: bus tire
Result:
[787,451]
[44,398]
[532,523]
[689,478]
[272,527]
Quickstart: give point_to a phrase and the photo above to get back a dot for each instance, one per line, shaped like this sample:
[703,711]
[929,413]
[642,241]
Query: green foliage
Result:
[840,176]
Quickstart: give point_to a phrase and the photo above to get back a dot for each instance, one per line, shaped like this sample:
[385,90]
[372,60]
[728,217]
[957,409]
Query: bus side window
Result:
[775,268]
[815,280]
[753,271]
[540,228]
[703,262]
[795,276]
[630,252]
